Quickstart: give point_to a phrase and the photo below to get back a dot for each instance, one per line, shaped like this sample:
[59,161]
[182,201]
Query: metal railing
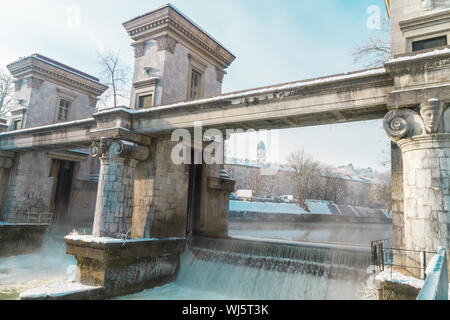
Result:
[383,256]
[33,218]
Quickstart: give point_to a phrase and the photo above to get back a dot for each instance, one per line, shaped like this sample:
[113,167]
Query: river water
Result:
[203,274]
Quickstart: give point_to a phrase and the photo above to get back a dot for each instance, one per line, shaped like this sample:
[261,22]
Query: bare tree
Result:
[269,185]
[306,174]
[376,51]
[382,191]
[335,188]
[116,75]
[6,92]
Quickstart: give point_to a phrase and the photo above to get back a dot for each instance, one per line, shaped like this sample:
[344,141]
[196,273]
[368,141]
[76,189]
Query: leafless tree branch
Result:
[375,52]
[6,92]
[116,75]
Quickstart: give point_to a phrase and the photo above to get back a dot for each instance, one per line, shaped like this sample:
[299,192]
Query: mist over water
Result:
[357,234]
[49,265]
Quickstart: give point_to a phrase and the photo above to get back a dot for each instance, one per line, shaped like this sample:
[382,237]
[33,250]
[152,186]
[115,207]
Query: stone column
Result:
[425,148]
[114,206]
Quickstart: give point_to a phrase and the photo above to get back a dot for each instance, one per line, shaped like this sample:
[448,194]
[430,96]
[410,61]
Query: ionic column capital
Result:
[117,148]
[406,123]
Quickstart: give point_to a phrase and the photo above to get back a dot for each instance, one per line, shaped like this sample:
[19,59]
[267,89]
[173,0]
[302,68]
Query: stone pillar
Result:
[425,148]
[215,200]
[114,206]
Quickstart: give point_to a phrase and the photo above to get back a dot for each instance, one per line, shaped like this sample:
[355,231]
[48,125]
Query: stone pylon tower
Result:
[175,60]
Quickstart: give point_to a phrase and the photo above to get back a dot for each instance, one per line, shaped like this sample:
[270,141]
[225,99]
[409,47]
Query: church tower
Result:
[261,153]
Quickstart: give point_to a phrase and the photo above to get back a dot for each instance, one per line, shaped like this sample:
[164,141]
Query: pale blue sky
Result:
[274,42]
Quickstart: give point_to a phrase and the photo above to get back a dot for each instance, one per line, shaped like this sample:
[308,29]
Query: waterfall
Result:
[229,269]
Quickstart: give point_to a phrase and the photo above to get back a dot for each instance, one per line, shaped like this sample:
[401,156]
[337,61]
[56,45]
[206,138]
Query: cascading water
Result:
[248,270]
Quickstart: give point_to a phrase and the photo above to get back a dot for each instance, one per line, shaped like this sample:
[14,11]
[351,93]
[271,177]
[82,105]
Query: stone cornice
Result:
[438,17]
[31,66]
[169,20]
[146,83]
[425,61]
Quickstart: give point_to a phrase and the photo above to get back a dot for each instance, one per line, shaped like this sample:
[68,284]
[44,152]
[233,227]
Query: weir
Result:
[254,270]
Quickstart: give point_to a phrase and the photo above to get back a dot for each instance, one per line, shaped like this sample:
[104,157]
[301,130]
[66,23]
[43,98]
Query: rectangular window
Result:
[145,101]
[429,43]
[64,110]
[196,82]
[17,124]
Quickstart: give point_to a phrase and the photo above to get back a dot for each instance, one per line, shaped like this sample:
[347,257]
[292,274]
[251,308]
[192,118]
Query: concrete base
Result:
[124,267]
[18,239]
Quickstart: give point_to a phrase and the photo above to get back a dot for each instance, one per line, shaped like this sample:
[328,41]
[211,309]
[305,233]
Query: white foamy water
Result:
[200,279]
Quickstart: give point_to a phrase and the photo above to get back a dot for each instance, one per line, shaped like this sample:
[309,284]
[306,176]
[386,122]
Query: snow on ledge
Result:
[56,290]
[106,240]
[399,278]
[436,52]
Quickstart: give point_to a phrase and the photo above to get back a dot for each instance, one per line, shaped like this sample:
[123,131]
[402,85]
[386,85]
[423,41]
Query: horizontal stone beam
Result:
[336,101]
[60,136]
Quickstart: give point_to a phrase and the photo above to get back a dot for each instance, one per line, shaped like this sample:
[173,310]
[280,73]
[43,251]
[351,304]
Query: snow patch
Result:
[436,52]
[319,207]
[106,240]
[282,208]
[56,290]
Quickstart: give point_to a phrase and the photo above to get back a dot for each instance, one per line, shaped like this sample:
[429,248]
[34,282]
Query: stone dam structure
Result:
[61,161]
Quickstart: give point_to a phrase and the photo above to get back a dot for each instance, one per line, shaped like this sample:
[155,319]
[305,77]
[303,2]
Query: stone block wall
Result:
[82,203]
[153,58]
[144,180]
[43,106]
[31,187]
[172,70]
[4,186]
[176,77]
[168,213]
